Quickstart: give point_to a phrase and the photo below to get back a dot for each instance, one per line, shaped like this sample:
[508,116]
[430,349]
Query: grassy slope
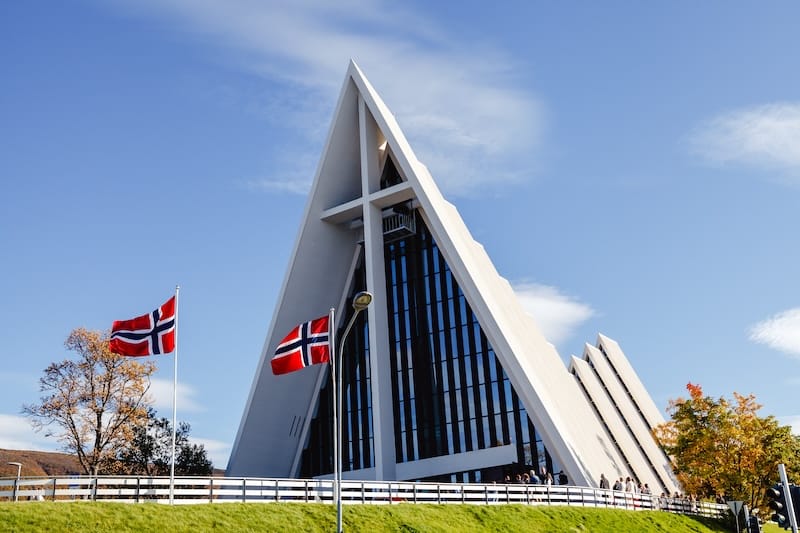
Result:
[113,517]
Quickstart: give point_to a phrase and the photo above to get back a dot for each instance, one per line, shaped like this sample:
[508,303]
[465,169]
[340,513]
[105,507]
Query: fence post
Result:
[415,493]
[277,492]
[211,490]
[363,493]
[438,493]
[94,488]
[244,490]
[390,493]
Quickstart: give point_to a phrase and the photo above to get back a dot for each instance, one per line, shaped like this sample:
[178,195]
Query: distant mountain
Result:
[46,464]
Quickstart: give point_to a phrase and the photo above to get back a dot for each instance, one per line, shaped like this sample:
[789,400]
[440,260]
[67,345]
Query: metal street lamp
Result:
[16,481]
[360,302]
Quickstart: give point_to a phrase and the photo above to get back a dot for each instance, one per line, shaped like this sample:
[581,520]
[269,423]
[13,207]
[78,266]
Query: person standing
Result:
[603,482]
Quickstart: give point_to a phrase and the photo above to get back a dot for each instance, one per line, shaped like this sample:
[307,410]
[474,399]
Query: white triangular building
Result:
[446,376]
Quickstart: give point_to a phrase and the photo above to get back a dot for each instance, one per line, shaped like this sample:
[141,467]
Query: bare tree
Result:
[92,405]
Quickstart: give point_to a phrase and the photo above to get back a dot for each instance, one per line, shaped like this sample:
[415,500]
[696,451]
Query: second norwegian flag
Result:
[150,334]
[307,344]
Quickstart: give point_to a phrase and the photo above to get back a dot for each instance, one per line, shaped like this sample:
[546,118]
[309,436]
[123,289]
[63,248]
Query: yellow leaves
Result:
[95,400]
[722,446]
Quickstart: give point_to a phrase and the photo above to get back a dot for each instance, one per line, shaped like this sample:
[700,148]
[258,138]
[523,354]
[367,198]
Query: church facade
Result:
[446,377]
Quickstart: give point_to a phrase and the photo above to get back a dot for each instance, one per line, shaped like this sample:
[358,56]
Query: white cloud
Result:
[457,102]
[556,314]
[763,136]
[16,433]
[780,331]
[161,391]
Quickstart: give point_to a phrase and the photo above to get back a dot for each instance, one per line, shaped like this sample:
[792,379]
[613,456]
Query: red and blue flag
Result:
[149,334]
[307,344]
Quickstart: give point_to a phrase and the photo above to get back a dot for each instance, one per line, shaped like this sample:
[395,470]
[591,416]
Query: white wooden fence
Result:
[194,490]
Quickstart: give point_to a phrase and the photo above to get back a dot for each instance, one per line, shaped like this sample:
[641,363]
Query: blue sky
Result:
[632,168]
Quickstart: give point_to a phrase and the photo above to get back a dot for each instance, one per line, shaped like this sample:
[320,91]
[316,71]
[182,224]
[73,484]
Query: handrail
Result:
[195,490]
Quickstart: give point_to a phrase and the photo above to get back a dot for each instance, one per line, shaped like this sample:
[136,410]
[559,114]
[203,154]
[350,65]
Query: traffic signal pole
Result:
[788,497]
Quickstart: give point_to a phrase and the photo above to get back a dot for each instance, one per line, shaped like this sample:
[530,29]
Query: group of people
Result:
[532,478]
[685,502]
[625,485]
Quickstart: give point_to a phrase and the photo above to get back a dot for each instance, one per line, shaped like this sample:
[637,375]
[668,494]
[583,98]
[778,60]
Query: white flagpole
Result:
[174,403]
[332,355]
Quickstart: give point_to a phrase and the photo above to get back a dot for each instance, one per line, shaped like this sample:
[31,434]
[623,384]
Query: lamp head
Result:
[361,300]
[18,465]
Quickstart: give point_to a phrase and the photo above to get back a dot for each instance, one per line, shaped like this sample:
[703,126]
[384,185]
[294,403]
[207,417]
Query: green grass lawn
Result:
[284,517]
[770,527]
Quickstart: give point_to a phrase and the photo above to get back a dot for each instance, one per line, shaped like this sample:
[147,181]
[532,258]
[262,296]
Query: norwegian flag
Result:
[150,334]
[307,344]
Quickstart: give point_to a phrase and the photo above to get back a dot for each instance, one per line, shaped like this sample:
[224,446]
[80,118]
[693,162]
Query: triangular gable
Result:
[347,188]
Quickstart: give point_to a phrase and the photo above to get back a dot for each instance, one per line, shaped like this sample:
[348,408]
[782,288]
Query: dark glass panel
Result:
[450,392]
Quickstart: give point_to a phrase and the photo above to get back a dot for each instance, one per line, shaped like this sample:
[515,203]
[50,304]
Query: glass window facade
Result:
[357,435]
[450,392]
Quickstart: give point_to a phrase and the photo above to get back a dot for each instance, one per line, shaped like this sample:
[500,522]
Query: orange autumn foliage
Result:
[92,404]
[722,447]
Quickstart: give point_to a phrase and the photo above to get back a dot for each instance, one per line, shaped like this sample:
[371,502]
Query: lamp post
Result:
[360,302]
[16,481]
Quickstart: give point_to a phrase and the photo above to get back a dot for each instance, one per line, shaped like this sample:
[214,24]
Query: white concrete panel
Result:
[266,442]
[631,416]
[381,378]
[630,379]
[640,464]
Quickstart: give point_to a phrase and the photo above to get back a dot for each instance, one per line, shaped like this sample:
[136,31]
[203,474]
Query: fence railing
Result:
[194,490]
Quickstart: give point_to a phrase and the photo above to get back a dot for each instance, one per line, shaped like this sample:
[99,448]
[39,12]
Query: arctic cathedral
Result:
[445,376]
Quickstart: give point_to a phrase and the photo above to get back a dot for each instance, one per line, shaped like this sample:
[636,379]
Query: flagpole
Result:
[174,403]
[332,355]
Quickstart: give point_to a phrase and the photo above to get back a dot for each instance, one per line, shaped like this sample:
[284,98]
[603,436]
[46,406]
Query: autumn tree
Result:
[93,404]
[150,450]
[722,447]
